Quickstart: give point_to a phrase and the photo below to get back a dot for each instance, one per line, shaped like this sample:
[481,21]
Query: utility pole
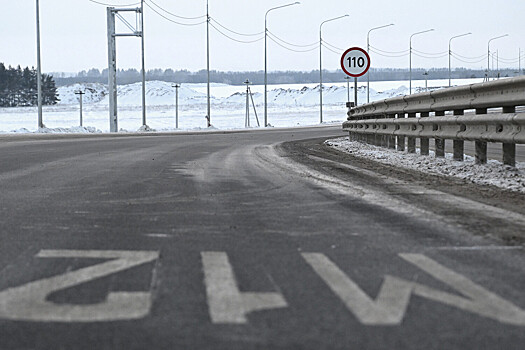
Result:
[208,111]
[143,65]
[247,116]
[112,61]
[80,93]
[176,86]
[38,66]
[112,71]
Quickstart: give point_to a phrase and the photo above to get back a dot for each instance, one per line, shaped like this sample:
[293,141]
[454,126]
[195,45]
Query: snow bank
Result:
[72,130]
[493,173]
[93,93]
[159,93]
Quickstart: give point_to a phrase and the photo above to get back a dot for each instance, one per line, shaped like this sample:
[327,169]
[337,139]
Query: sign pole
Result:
[355,62]
[355,91]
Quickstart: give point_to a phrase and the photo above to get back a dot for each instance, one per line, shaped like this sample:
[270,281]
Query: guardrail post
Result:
[509,149]
[481,146]
[459,145]
[440,143]
[400,138]
[424,141]
[509,154]
[377,138]
[370,139]
[391,140]
[411,141]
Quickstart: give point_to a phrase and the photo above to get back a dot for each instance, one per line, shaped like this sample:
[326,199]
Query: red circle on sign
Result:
[343,61]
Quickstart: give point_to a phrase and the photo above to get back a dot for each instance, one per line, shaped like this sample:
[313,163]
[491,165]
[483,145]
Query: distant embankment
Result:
[289,77]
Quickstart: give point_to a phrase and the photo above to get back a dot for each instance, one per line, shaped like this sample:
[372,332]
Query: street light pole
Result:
[208,110]
[38,66]
[143,64]
[449,54]
[368,51]
[488,54]
[321,65]
[266,59]
[410,60]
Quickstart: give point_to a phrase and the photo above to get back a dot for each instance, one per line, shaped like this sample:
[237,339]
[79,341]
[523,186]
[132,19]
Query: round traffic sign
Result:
[355,62]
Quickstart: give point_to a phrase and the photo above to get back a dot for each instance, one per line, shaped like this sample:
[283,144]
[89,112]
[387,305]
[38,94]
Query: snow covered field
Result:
[493,173]
[288,105]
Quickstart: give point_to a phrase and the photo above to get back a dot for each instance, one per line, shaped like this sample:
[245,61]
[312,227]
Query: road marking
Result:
[480,247]
[391,303]
[225,302]
[389,306]
[157,235]
[479,300]
[28,302]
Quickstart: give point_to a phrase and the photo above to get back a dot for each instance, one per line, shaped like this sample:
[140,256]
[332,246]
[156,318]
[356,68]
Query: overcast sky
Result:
[74,33]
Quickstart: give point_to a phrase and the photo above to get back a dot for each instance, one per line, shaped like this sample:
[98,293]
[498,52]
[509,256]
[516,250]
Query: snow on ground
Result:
[493,173]
[288,105]
[93,93]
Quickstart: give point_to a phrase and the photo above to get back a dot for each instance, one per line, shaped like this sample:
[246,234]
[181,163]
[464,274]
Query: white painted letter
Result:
[479,300]
[28,302]
[391,303]
[225,302]
[389,306]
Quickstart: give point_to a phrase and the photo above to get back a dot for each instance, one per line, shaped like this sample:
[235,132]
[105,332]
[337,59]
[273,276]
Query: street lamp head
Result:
[278,7]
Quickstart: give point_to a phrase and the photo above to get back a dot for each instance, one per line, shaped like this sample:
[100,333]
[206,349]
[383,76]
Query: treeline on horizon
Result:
[18,87]
[130,76]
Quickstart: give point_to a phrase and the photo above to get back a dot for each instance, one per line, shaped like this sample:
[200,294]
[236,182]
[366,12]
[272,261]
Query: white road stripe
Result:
[480,247]
[225,302]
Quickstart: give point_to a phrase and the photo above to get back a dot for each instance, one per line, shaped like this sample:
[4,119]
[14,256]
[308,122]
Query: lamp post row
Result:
[39,69]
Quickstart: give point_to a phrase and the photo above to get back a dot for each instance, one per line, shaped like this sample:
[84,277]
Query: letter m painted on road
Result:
[391,303]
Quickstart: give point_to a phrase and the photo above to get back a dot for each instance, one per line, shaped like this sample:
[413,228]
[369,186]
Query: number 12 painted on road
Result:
[355,62]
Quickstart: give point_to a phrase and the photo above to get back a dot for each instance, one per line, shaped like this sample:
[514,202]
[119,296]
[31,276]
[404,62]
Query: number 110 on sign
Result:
[355,62]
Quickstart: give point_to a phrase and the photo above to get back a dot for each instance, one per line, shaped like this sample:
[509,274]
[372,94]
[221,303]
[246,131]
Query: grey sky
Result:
[74,33]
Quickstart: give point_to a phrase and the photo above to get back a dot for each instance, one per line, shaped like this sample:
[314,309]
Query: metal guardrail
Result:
[441,115]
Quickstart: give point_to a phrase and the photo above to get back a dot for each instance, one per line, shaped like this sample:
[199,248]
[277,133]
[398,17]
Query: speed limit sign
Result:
[355,62]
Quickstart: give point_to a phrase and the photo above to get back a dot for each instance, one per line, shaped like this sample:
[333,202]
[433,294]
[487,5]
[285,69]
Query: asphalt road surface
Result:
[249,240]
